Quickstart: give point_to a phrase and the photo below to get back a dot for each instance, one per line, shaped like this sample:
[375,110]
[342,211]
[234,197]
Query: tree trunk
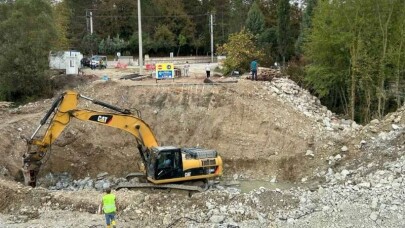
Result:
[398,73]
[344,101]
[353,92]
[381,80]
[353,73]
[367,115]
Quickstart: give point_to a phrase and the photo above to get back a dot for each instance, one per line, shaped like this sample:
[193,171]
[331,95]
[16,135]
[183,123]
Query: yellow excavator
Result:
[163,166]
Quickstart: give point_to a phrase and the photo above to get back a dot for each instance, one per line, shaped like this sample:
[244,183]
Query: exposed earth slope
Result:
[318,170]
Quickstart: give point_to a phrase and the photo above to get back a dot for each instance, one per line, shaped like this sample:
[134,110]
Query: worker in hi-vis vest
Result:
[108,205]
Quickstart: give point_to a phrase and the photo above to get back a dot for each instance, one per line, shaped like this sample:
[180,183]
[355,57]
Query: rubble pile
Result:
[370,194]
[4,104]
[267,74]
[288,92]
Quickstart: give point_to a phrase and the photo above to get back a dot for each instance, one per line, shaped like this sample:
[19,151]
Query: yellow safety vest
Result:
[109,203]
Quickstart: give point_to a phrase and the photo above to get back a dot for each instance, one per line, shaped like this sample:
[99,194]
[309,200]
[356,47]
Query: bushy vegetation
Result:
[26,34]
[240,50]
[356,56]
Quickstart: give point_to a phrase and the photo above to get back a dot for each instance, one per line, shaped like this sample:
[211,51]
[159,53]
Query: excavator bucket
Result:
[31,165]
[30,172]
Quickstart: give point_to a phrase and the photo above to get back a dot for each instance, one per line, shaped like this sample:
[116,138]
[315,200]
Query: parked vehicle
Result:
[99,61]
[85,62]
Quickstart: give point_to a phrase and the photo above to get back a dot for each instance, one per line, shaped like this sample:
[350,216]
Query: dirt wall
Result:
[241,123]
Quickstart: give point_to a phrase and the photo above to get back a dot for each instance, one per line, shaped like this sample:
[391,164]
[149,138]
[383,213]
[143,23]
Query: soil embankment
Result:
[339,174]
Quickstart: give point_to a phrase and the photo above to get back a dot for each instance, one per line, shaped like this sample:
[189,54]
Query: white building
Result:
[65,60]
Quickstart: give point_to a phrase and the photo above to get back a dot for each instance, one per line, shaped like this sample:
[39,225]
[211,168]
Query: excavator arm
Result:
[64,108]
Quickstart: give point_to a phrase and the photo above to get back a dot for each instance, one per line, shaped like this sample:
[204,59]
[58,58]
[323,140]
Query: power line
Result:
[126,16]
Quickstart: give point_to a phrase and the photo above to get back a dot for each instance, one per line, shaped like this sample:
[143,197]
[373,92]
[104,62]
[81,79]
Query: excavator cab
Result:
[165,163]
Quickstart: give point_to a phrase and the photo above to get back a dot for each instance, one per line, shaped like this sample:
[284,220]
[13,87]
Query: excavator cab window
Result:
[165,161]
[168,164]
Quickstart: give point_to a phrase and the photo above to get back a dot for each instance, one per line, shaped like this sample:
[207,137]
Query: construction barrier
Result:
[121,65]
[150,66]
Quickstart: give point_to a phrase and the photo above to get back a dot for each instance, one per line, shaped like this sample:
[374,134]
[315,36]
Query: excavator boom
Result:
[64,108]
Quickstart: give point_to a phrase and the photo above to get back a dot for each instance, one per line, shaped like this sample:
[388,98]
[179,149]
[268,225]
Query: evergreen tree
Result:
[283,32]
[255,20]
[305,25]
[239,9]
[89,44]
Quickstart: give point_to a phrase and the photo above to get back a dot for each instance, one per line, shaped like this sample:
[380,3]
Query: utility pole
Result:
[140,39]
[87,21]
[212,37]
[222,25]
[91,23]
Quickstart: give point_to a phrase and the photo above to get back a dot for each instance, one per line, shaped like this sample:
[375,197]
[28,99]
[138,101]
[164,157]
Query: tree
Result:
[384,13]
[255,20]
[116,18]
[77,22]
[182,40]
[89,44]
[268,39]
[240,50]
[61,18]
[269,9]
[305,25]
[111,46]
[222,10]
[174,23]
[239,9]
[133,43]
[283,32]
[355,53]
[198,42]
[26,37]
[329,49]
[398,54]
[164,39]
[197,14]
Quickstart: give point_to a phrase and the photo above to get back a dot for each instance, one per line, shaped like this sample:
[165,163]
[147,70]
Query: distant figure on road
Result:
[253,69]
[186,68]
[208,70]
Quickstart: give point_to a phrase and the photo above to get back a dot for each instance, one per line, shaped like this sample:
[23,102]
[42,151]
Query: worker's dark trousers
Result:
[254,75]
[208,73]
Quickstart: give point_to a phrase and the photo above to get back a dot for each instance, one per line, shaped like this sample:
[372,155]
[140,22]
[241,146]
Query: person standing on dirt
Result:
[186,68]
[92,65]
[253,69]
[208,70]
[108,205]
[101,64]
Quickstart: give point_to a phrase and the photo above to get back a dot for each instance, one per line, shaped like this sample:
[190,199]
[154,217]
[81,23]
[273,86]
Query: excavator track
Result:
[162,186]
